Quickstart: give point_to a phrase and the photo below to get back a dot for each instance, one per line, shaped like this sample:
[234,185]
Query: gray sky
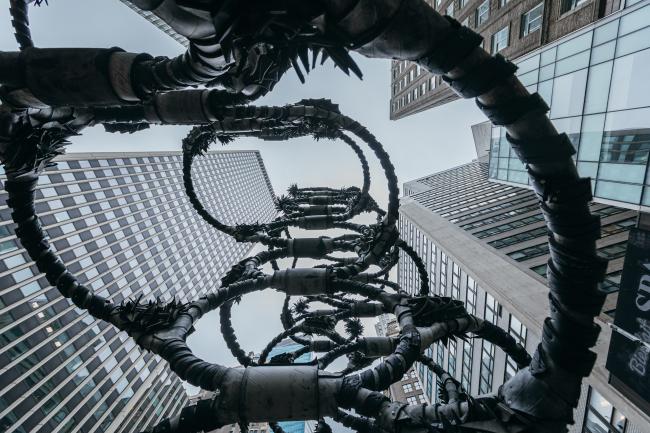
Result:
[419,145]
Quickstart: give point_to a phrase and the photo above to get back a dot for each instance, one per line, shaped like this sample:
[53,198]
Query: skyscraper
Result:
[123,224]
[484,243]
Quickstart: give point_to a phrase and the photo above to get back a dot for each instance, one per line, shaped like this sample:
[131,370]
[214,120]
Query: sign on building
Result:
[629,357]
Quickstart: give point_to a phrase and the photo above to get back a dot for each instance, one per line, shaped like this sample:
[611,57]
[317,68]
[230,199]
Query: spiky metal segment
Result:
[354,328]
[428,310]
[149,316]
[29,150]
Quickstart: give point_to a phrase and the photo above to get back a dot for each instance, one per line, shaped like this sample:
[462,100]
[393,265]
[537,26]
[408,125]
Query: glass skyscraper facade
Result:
[595,81]
[123,224]
[484,243]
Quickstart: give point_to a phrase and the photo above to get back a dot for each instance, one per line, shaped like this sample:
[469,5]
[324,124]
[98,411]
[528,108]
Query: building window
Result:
[482,12]
[465,22]
[601,416]
[487,368]
[432,83]
[502,3]
[417,385]
[500,39]
[470,295]
[466,372]
[451,359]
[450,9]
[519,332]
[455,281]
[568,5]
[407,387]
[491,309]
[412,400]
[432,269]
[443,274]
[462,3]
[532,20]
[438,2]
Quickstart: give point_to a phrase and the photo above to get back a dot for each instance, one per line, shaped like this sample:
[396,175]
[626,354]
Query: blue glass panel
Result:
[636,20]
[618,191]
[603,53]
[572,63]
[575,45]
[606,32]
[598,88]
[548,56]
[568,94]
[630,85]
[633,42]
[591,137]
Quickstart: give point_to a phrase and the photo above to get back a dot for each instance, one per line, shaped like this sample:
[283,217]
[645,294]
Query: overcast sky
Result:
[419,145]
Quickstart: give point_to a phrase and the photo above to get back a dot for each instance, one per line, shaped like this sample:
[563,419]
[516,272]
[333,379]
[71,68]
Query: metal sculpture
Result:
[238,50]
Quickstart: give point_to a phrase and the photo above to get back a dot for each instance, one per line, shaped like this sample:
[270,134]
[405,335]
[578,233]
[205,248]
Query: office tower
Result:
[595,82]
[510,28]
[123,224]
[409,388]
[163,26]
[289,346]
[484,243]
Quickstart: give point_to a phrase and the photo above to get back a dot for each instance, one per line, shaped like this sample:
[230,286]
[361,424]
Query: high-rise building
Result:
[123,225]
[484,243]
[595,82]
[510,28]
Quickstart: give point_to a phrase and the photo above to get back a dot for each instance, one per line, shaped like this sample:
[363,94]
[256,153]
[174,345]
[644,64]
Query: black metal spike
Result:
[303,54]
[314,56]
[324,57]
[296,67]
[345,61]
[338,60]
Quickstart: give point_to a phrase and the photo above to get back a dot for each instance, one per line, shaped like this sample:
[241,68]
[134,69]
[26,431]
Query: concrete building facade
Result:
[510,28]
[484,244]
[123,224]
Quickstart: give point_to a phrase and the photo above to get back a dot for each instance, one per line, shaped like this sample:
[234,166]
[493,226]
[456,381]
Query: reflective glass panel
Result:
[635,21]
[630,85]
[548,56]
[603,53]
[605,32]
[627,137]
[597,87]
[572,63]
[568,94]
[591,137]
[633,42]
[575,45]
[618,191]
